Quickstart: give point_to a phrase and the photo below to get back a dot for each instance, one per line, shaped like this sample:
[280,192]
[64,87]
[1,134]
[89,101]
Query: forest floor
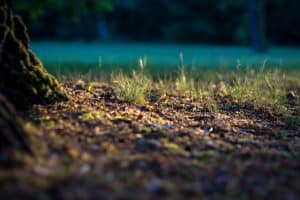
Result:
[96,146]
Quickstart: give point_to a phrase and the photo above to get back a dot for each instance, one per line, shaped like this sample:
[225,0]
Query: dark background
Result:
[170,21]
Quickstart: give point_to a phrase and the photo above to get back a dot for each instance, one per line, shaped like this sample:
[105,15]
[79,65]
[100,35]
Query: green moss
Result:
[24,80]
[171,146]
[88,116]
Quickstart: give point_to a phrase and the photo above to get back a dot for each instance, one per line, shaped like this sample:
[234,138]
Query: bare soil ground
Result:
[97,147]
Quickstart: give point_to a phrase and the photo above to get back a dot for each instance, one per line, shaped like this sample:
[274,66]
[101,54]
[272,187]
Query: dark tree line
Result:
[258,23]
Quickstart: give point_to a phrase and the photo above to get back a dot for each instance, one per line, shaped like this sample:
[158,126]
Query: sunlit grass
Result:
[258,86]
[262,87]
[185,84]
[206,94]
[135,87]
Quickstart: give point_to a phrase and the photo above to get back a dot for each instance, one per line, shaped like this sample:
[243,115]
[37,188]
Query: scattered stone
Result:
[84,169]
[229,155]
[157,187]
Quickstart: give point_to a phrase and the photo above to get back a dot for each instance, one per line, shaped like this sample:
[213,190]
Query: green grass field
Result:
[163,55]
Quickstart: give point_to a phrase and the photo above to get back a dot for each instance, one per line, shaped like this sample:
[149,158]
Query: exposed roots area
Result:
[13,135]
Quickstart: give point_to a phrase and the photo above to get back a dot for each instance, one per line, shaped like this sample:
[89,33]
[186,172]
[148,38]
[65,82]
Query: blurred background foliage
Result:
[68,8]
[188,21]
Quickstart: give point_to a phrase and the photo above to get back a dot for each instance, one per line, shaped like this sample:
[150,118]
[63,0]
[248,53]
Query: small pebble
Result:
[85,168]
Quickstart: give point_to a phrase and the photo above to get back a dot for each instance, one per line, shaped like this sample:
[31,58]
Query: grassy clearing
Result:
[262,87]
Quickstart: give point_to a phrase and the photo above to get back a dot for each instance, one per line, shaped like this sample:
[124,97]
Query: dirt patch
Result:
[171,147]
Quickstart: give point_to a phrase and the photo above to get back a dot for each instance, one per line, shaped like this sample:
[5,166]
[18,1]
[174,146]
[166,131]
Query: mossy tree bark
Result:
[23,81]
[23,78]
[13,136]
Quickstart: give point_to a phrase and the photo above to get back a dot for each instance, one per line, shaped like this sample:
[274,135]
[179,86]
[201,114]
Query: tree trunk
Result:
[257,22]
[13,136]
[23,78]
